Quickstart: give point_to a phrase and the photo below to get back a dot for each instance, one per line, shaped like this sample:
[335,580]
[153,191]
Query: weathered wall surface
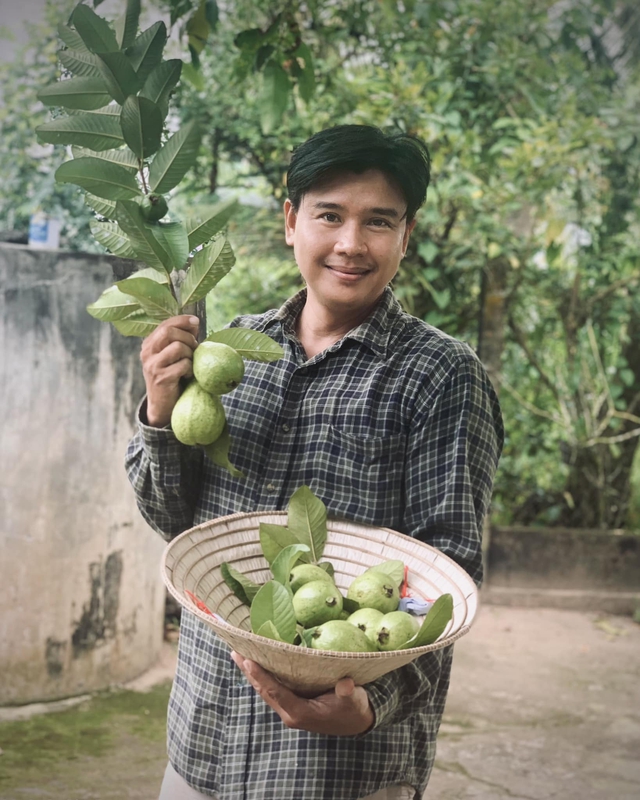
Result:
[79,569]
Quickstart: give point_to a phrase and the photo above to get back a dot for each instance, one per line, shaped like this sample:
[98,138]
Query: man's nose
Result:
[351,240]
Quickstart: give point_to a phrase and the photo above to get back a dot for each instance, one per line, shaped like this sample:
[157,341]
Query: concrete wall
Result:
[82,600]
[564,568]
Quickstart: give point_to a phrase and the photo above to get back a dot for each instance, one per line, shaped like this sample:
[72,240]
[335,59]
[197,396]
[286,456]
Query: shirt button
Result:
[286,428]
[271,487]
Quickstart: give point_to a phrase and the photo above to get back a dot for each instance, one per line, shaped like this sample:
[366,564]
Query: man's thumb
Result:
[345,687]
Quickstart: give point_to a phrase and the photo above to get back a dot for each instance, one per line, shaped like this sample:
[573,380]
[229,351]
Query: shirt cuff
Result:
[159,444]
[384,698]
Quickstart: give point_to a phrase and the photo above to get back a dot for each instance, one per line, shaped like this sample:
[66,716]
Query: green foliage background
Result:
[531,112]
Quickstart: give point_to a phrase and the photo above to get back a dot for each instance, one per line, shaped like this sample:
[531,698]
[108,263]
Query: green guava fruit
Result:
[395,629]
[341,636]
[304,573]
[154,207]
[317,602]
[367,620]
[374,590]
[198,417]
[217,367]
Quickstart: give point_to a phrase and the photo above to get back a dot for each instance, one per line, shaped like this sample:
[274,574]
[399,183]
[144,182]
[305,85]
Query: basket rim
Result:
[221,626]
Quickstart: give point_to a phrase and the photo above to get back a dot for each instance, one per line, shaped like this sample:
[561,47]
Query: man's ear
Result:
[290,217]
[407,233]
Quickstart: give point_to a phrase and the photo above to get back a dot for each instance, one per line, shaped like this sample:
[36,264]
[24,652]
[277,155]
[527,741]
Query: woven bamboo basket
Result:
[191,564]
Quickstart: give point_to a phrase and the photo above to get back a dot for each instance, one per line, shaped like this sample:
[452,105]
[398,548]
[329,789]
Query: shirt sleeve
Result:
[452,457]
[165,476]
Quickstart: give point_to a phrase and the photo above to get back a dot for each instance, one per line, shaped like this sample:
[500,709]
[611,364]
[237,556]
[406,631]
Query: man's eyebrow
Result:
[381,210]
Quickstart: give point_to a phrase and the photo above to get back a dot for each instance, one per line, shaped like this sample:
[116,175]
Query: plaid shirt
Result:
[395,425]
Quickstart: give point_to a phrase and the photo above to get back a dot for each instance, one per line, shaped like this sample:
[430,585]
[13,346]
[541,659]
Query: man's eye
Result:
[330,217]
[380,223]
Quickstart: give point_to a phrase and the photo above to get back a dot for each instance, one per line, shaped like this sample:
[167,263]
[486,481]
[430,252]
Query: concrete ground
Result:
[544,704]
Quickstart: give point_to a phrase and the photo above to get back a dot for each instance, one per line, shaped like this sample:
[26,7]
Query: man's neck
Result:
[318,327]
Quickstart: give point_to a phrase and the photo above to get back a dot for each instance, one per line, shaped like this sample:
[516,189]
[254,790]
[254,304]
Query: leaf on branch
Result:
[146,245]
[434,623]
[126,26]
[141,121]
[95,32]
[154,298]
[208,267]
[113,305]
[111,236]
[307,78]
[218,452]
[101,178]
[146,52]
[86,94]
[125,158]
[175,158]
[275,96]
[198,28]
[252,345]
[173,237]
[119,76]
[285,560]
[200,231]
[97,130]
[82,63]
[274,539]
[106,208]
[136,324]
[161,82]
[72,39]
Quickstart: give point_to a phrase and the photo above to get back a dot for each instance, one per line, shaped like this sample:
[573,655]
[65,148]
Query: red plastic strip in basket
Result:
[198,603]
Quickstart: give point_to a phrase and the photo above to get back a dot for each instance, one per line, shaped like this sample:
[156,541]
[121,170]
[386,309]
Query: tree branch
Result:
[521,340]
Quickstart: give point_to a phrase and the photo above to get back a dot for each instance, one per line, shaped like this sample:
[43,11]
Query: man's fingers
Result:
[345,687]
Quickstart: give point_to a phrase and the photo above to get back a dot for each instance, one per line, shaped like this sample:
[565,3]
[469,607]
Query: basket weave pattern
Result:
[191,562]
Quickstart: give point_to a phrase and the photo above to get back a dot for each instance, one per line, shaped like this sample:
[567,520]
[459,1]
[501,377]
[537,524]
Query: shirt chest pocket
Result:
[367,450]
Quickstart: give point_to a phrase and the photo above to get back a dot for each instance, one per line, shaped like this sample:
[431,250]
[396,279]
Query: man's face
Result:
[348,237]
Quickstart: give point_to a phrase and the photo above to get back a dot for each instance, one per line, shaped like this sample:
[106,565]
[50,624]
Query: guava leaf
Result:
[273,603]
[111,236]
[123,157]
[209,266]
[218,452]
[81,63]
[95,32]
[154,298]
[252,345]
[269,631]
[72,39]
[177,155]
[307,635]
[200,231]
[173,238]
[350,605]
[306,80]
[101,178]
[327,566]
[113,305]
[243,588]
[141,121]
[119,76]
[394,569]
[160,84]
[146,52]
[285,560]
[434,623]
[136,324]
[274,538]
[147,246]
[126,26]
[106,208]
[85,93]
[307,520]
[97,130]
[152,274]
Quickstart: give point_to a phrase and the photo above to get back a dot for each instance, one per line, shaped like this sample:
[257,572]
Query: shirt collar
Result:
[375,332]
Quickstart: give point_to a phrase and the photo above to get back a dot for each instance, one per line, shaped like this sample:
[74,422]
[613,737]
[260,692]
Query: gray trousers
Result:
[176,788]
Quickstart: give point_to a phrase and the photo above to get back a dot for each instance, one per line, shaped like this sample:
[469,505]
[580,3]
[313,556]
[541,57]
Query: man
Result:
[388,420]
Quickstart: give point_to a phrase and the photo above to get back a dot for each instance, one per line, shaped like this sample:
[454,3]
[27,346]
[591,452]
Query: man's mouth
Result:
[350,272]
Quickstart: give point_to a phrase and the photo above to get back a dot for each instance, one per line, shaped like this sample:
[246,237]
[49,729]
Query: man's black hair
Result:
[355,148]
